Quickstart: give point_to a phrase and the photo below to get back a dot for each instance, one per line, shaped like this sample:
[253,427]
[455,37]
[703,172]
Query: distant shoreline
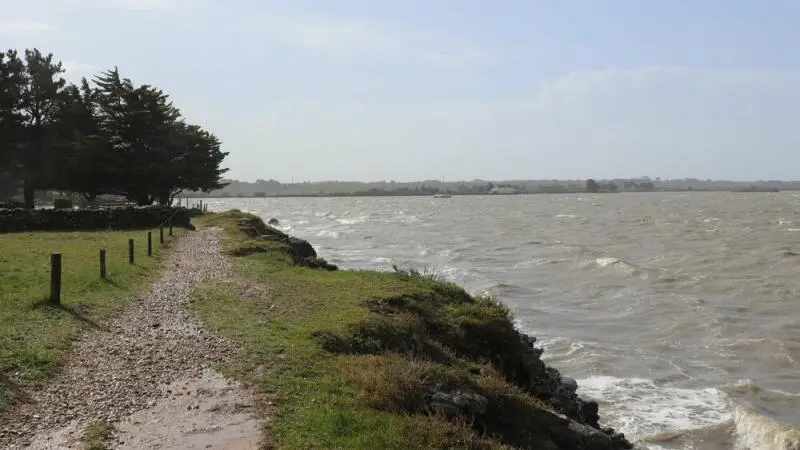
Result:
[391,194]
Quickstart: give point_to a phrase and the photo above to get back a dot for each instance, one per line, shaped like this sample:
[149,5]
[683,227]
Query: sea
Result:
[678,312]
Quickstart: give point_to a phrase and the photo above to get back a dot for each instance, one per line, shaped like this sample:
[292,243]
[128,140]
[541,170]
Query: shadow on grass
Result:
[11,392]
[74,311]
[110,282]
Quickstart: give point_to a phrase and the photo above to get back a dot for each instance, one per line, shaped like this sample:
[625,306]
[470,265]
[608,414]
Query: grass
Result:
[96,435]
[350,359]
[35,336]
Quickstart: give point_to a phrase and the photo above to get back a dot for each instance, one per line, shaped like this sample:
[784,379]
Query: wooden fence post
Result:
[161,235]
[149,243]
[55,278]
[130,251]
[103,263]
[170,227]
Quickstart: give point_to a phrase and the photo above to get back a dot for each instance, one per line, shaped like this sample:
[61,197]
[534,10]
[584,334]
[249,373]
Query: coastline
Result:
[483,194]
[412,354]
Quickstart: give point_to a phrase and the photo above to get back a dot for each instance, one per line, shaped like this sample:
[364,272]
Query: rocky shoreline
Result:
[572,422]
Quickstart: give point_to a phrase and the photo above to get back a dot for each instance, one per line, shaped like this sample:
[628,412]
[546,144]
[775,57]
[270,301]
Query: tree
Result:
[112,137]
[592,186]
[139,124]
[161,155]
[12,77]
[193,162]
[87,163]
[40,106]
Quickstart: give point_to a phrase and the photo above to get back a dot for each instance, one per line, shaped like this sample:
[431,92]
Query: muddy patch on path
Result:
[207,412]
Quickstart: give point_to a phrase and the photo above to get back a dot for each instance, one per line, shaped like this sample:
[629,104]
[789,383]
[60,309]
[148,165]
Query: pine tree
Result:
[112,137]
[40,107]
[12,78]
[87,163]
[194,159]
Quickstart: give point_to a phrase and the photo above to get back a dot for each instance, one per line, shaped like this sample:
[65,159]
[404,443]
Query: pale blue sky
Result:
[412,89]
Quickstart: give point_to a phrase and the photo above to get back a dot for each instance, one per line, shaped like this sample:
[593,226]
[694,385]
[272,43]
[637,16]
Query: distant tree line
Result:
[107,136]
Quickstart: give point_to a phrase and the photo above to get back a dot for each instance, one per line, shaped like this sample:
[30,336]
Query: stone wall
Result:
[126,218]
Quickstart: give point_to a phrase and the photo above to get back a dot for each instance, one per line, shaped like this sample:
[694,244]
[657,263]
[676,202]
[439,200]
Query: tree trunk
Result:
[164,198]
[172,197]
[28,193]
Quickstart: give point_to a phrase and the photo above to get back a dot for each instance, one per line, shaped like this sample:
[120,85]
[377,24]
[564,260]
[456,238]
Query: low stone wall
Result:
[127,218]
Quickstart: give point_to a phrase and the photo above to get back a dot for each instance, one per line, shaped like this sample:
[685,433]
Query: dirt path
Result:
[148,373]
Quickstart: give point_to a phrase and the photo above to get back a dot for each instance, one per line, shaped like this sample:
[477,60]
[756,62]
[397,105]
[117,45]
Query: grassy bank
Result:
[34,336]
[362,359]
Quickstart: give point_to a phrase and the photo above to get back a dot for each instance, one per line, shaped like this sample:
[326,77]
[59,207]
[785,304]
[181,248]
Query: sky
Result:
[311,90]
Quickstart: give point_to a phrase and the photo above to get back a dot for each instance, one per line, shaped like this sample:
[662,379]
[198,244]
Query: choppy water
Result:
[680,313]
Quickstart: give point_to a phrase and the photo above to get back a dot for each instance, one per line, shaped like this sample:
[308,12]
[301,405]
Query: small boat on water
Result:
[441,196]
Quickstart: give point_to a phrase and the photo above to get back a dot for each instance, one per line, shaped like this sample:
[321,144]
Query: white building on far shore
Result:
[503,190]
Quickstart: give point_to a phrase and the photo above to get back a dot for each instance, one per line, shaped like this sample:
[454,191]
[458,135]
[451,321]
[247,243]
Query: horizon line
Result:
[486,180]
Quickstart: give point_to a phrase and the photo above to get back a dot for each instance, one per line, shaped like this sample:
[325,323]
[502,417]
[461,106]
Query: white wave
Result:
[532,263]
[406,219]
[711,219]
[607,261]
[746,386]
[793,229]
[638,407]
[382,260]
[567,216]
[328,233]
[784,222]
[755,431]
[353,221]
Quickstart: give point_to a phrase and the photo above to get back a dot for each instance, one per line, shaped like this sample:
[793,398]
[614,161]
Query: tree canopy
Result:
[104,136]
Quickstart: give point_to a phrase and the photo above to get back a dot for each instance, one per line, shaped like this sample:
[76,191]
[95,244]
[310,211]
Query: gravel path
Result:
[127,368]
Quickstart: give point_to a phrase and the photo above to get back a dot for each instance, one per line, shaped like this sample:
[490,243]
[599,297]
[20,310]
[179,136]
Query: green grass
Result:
[96,435]
[35,336]
[346,357]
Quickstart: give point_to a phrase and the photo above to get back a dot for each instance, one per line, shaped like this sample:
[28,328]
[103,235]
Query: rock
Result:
[301,251]
[247,251]
[445,409]
[569,383]
[458,403]
[590,438]
[273,221]
[589,412]
[318,263]
[560,391]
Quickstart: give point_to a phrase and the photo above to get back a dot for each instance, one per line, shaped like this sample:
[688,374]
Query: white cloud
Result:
[362,37]
[25,27]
